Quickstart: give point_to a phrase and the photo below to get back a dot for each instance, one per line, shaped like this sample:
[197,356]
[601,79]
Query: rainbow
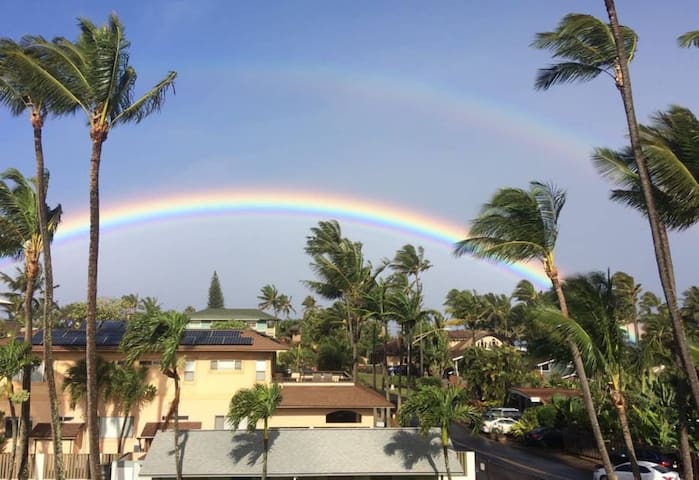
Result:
[258,202]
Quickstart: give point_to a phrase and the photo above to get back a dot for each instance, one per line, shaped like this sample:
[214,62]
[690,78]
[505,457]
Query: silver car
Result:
[649,471]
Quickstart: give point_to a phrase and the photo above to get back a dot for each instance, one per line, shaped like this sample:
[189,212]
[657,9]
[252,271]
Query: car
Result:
[544,437]
[666,457]
[502,412]
[649,471]
[499,425]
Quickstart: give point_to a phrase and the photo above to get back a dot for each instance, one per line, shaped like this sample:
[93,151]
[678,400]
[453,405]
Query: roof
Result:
[230,314]
[151,428]
[335,452]
[544,394]
[335,395]
[69,431]
[110,333]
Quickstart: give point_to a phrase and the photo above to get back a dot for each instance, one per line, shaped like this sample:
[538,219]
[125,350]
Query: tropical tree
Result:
[343,275]
[19,219]
[436,406]
[129,391]
[215,293]
[689,39]
[14,356]
[411,261]
[75,380]
[159,332]
[522,225]
[21,93]
[269,299]
[589,47]
[94,75]
[255,404]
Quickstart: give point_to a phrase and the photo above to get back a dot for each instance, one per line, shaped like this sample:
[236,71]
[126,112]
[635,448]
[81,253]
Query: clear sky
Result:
[426,108]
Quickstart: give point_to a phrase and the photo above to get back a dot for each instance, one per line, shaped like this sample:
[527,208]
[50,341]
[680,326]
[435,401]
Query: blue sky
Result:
[427,106]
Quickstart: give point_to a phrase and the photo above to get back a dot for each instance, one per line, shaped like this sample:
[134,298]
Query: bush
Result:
[428,381]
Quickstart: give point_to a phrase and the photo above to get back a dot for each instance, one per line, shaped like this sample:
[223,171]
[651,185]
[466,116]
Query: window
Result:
[343,416]
[180,418]
[221,423]
[260,367]
[109,427]
[38,373]
[189,370]
[149,363]
[66,419]
[226,365]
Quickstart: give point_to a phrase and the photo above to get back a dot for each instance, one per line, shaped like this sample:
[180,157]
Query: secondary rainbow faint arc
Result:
[316,204]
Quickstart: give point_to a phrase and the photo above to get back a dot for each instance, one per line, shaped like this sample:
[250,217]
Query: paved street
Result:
[503,461]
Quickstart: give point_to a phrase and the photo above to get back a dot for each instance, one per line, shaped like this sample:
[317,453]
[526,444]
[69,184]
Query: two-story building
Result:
[254,319]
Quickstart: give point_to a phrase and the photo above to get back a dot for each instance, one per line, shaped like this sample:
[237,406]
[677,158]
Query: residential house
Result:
[216,364]
[347,453]
[254,319]
[525,397]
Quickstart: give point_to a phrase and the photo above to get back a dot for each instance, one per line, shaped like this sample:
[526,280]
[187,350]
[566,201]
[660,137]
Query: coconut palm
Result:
[689,39]
[436,406]
[343,275]
[594,328]
[19,217]
[588,47]
[94,74]
[75,380]
[255,404]
[522,225]
[466,308]
[129,391]
[411,261]
[159,332]
[269,299]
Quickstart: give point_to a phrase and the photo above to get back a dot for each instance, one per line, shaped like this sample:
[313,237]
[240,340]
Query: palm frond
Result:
[151,102]
[568,330]
[689,39]
[564,72]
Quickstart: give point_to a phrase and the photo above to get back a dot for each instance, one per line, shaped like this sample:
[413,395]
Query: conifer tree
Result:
[215,293]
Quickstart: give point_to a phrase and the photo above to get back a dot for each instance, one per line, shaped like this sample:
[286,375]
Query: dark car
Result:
[544,437]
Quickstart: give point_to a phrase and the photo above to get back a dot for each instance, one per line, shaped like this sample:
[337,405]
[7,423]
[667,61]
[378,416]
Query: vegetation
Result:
[215,293]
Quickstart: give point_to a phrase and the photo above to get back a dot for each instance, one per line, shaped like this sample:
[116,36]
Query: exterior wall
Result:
[298,417]
[202,398]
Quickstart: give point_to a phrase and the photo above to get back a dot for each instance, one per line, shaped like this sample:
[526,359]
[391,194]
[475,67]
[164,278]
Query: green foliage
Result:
[297,357]
[489,374]
[429,382]
[229,325]
[334,353]
[215,293]
[528,422]
[74,314]
[254,404]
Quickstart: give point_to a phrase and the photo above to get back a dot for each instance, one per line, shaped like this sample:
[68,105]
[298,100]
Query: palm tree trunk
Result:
[15,427]
[32,266]
[660,244]
[265,448]
[176,412]
[620,405]
[37,124]
[552,273]
[683,427]
[445,451]
[91,320]
[122,433]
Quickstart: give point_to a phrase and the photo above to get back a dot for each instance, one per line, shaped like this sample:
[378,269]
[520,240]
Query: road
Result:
[498,461]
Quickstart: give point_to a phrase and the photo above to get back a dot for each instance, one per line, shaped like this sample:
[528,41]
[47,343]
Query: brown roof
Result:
[545,394]
[337,395]
[69,431]
[151,428]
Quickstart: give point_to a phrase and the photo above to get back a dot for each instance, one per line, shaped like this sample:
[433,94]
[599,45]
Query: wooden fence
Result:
[76,466]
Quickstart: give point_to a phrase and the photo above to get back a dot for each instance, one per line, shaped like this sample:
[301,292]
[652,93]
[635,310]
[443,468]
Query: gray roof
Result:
[301,453]
[244,314]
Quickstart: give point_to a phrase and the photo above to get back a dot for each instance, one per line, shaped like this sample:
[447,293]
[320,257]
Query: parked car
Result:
[499,425]
[502,412]
[649,471]
[666,457]
[544,437]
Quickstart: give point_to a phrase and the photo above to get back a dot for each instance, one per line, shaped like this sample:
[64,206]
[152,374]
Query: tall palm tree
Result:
[466,308]
[593,326]
[589,47]
[95,75]
[19,218]
[269,299]
[522,225]
[255,404]
[128,390]
[159,332]
[343,275]
[437,406]
[20,92]
[75,380]
[411,261]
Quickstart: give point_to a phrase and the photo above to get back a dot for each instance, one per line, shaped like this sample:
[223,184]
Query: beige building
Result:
[254,319]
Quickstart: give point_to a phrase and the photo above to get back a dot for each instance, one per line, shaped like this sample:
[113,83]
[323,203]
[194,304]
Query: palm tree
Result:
[436,406]
[599,336]
[255,404]
[75,380]
[128,390]
[411,261]
[19,218]
[522,225]
[14,356]
[95,76]
[20,92]
[343,275]
[689,39]
[590,47]
[159,332]
[466,308]
[269,299]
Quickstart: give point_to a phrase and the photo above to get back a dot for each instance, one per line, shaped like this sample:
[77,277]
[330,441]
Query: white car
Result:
[501,425]
[649,471]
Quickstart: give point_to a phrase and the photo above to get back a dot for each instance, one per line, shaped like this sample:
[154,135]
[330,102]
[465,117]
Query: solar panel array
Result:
[110,333]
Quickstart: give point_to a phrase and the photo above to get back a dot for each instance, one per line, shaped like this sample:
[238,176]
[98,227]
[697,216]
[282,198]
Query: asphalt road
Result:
[509,461]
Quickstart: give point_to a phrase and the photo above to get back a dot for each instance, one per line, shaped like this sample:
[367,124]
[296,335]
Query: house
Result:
[349,453]
[254,319]
[461,339]
[215,365]
[524,397]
